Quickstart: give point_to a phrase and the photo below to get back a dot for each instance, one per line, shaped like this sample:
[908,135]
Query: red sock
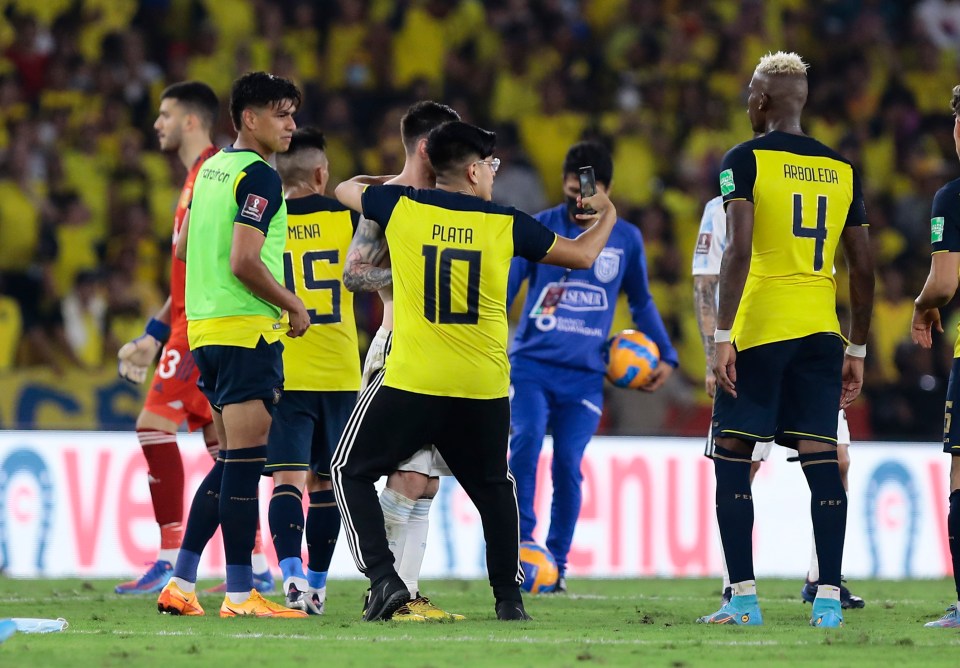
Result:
[166,475]
[213,449]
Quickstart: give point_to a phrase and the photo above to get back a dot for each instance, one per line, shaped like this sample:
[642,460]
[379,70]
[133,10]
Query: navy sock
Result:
[202,522]
[953,531]
[286,521]
[735,511]
[828,511]
[239,510]
[323,527]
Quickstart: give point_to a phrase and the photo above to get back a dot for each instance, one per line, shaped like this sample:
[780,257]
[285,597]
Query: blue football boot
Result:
[741,610]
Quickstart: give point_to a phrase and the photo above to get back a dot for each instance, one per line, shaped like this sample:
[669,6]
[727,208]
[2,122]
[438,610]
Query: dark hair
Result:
[307,137]
[421,119]
[198,98]
[454,143]
[592,154]
[260,89]
[955,101]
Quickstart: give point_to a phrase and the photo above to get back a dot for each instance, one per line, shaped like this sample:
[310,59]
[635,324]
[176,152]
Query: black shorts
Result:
[305,431]
[951,427]
[233,375]
[786,391]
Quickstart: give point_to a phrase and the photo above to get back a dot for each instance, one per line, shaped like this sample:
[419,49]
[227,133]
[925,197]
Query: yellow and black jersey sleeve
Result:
[945,219]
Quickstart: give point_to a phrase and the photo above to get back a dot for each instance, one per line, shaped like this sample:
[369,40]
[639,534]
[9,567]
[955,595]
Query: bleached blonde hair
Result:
[782,62]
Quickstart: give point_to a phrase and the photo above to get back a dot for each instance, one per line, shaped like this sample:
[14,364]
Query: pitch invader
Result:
[321,373]
[783,378]
[185,122]
[938,290]
[711,242]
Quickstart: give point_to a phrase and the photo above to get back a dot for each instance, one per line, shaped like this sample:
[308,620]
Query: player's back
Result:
[804,194]
[326,358]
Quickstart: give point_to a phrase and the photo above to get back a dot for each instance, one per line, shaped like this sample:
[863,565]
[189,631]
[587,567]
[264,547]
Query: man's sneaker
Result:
[512,611]
[422,606]
[741,611]
[405,614]
[258,606]
[155,579]
[848,600]
[262,582]
[175,601]
[827,614]
[726,595]
[385,598]
[301,600]
[561,587]
[951,620]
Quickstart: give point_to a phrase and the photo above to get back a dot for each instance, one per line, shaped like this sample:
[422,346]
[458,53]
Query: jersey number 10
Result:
[437,288]
[819,233]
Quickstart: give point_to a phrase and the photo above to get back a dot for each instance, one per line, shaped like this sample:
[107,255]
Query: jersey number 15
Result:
[312,283]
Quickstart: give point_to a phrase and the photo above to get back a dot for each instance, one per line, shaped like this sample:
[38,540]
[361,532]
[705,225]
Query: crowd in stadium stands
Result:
[86,199]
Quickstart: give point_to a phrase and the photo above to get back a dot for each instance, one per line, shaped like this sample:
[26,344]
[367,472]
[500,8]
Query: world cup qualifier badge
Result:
[726,182]
[936,229]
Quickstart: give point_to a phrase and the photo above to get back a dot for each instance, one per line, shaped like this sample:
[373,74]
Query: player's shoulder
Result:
[949,191]
[786,142]
[302,206]
[454,201]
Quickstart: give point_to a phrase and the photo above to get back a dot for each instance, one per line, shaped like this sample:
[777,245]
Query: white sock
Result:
[299,583]
[188,587]
[415,545]
[260,564]
[321,593]
[814,573]
[238,597]
[828,591]
[169,555]
[396,513]
[745,588]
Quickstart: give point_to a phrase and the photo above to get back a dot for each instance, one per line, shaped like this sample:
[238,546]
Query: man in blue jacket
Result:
[557,363]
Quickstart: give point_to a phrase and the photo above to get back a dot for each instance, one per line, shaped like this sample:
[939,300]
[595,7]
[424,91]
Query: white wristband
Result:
[721,336]
[857,350]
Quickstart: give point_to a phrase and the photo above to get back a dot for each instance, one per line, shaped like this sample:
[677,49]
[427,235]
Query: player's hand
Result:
[599,202]
[135,357]
[299,320]
[924,321]
[658,377]
[710,383]
[852,379]
[724,367]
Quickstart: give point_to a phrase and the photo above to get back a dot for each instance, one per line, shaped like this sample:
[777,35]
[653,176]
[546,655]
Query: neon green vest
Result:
[212,291]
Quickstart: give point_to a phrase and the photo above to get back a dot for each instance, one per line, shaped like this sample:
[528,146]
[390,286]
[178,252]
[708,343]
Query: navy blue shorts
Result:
[787,391]
[233,375]
[951,427]
[306,429]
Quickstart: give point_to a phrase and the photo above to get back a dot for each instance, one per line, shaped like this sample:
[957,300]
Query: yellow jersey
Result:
[327,357]
[803,194]
[450,254]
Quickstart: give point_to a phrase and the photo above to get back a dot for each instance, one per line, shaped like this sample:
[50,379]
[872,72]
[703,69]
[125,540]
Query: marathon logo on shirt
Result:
[703,244]
[936,229]
[254,207]
[726,182]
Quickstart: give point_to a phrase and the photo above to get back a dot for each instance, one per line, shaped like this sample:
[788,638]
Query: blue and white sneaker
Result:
[154,580]
[951,620]
[741,611]
[827,614]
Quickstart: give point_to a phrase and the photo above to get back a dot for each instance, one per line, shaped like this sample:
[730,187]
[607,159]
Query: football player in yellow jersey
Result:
[939,289]
[790,201]
[321,373]
[410,490]
[448,375]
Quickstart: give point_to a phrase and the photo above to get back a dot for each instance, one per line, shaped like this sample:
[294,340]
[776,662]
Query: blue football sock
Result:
[735,511]
[828,511]
[316,580]
[202,522]
[286,521]
[239,510]
[291,567]
[323,527]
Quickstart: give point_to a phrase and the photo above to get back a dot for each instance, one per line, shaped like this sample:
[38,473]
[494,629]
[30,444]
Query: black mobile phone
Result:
[588,185]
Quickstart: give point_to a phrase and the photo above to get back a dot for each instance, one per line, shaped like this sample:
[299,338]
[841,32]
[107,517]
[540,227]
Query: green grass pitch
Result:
[601,623]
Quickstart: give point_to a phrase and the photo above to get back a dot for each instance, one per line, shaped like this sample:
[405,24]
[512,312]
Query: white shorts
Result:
[762,450]
[427,460]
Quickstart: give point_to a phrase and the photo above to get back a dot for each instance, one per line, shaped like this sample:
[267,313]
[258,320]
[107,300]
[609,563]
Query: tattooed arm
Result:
[362,271]
[705,303]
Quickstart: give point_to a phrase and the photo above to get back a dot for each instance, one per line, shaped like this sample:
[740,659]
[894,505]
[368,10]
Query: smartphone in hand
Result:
[588,185]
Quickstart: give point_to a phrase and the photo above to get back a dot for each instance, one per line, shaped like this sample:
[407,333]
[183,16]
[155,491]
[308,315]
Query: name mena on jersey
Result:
[630,357]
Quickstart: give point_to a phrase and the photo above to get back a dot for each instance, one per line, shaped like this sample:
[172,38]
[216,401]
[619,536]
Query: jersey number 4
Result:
[312,283]
[437,286]
[819,233]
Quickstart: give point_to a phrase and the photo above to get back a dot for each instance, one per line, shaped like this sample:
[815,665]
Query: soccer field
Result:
[604,623]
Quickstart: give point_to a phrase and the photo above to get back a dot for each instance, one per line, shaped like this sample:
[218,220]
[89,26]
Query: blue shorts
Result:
[233,375]
[951,429]
[306,429]
[787,391]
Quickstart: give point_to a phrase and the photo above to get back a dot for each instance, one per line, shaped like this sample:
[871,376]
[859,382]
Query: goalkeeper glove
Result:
[136,356]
